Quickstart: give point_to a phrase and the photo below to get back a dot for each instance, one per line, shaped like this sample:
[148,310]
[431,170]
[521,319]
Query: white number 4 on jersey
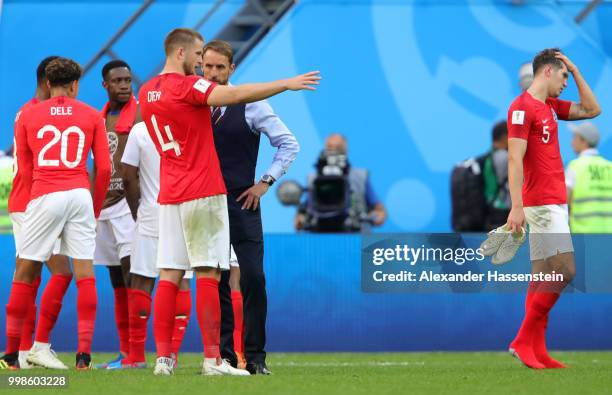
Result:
[171,144]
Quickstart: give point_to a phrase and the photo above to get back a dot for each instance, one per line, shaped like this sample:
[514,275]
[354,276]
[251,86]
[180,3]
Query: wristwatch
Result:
[268,179]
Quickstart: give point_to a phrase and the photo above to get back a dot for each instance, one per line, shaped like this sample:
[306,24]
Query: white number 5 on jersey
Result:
[546,134]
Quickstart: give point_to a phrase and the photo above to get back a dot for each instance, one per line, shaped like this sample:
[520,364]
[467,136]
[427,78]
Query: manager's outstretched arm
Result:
[225,95]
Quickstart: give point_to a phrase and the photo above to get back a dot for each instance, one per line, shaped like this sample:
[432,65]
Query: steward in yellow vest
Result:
[589,184]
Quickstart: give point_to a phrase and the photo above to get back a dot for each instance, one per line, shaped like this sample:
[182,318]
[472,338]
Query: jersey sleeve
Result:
[131,153]
[101,155]
[519,121]
[23,154]
[561,107]
[197,89]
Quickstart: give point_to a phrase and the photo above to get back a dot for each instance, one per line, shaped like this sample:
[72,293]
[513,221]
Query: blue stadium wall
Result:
[414,85]
[316,304]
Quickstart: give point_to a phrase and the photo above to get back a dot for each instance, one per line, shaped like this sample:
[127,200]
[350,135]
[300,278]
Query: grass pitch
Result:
[355,373]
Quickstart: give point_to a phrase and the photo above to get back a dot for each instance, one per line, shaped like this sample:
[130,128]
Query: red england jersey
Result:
[20,192]
[174,108]
[54,139]
[536,122]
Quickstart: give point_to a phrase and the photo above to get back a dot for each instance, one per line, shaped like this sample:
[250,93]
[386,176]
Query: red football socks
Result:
[27,331]
[208,309]
[51,304]
[537,311]
[238,322]
[164,308]
[20,301]
[87,302]
[539,347]
[539,339]
[181,319]
[140,311]
[122,319]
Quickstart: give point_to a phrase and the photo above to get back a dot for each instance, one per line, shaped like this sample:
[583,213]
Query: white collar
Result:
[589,152]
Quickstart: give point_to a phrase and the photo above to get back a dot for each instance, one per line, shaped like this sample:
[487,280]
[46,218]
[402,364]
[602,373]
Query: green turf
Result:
[397,373]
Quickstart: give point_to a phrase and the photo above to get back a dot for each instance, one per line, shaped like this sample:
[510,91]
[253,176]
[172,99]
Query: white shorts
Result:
[144,257]
[194,234]
[18,219]
[67,215]
[549,232]
[233,259]
[114,240]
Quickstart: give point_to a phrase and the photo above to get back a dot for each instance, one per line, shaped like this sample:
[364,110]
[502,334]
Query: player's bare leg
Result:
[59,264]
[237,305]
[142,283]
[125,270]
[87,302]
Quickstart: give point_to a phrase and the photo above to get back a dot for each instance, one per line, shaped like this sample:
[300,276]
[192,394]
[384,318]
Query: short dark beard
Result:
[187,70]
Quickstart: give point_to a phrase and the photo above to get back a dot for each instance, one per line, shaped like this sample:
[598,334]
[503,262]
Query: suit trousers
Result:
[246,236]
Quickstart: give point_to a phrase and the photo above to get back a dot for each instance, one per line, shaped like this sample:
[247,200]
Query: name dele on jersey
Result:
[518,117]
[61,110]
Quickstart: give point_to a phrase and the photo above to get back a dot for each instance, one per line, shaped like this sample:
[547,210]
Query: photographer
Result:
[339,197]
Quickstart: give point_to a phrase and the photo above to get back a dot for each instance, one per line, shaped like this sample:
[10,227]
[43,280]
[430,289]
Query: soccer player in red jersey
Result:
[115,225]
[537,188]
[58,265]
[193,216]
[141,179]
[53,141]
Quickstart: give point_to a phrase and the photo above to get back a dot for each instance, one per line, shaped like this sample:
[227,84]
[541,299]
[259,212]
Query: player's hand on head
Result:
[516,219]
[571,67]
[304,81]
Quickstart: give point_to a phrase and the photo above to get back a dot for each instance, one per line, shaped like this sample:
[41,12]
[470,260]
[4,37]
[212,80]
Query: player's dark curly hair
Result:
[544,57]
[41,77]
[500,131]
[113,64]
[63,71]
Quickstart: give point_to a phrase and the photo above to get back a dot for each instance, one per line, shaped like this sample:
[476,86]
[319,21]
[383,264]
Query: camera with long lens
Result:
[331,206]
[327,210]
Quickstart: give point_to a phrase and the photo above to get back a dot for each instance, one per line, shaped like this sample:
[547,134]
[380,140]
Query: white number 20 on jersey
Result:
[171,144]
[63,136]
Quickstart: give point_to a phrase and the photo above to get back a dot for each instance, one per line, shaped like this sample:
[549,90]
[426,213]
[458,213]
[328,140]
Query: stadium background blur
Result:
[414,85]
